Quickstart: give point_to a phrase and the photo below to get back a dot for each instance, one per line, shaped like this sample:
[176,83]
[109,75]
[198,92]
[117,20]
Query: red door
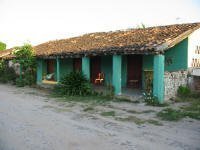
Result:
[95,68]
[50,66]
[134,71]
[77,64]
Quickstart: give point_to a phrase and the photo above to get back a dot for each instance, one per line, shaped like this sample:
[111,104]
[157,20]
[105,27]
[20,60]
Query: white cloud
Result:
[38,21]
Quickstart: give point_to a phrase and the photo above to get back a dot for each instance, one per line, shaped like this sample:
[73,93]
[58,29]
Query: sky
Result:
[38,21]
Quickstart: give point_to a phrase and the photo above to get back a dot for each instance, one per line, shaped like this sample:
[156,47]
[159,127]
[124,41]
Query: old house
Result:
[154,58]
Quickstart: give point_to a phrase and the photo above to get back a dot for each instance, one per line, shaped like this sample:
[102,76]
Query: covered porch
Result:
[128,74]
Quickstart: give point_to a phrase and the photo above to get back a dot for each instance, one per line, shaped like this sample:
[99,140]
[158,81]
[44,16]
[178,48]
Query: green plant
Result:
[74,84]
[7,74]
[170,114]
[183,91]
[150,99]
[2,46]
[24,55]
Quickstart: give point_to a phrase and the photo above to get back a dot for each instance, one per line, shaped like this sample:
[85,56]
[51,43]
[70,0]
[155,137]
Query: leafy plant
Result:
[24,55]
[152,100]
[2,46]
[74,83]
[183,91]
[7,74]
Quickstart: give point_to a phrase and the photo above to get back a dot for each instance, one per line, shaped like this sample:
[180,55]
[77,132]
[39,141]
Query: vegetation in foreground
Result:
[192,110]
[24,56]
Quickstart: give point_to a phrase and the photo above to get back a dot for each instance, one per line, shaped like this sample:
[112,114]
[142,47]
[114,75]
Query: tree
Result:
[2,46]
[24,55]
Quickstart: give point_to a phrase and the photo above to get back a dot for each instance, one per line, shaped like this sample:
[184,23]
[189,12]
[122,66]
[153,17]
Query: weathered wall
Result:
[172,82]
[176,57]
[66,66]
[106,68]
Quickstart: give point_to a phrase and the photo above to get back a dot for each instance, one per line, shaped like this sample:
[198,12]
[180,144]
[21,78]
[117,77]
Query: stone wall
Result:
[172,82]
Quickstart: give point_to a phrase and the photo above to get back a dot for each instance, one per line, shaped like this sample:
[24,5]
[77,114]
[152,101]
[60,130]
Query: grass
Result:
[134,119]
[108,113]
[95,100]
[191,110]
[154,122]
[139,121]
[88,109]
[170,114]
[140,112]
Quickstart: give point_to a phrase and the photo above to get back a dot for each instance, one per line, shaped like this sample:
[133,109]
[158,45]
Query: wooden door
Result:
[95,68]
[50,66]
[77,64]
[134,71]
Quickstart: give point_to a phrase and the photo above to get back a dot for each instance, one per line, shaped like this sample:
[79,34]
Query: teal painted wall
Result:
[117,64]
[66,66]
[44,66]
[58,69]
[158,77]
[86,67]
[106,68]
[124,71]
[55,70]
[176,58]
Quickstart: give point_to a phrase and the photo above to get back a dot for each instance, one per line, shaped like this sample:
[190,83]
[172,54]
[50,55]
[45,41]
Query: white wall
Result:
[193,42]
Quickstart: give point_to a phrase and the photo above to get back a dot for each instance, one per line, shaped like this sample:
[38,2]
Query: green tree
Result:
[2,46]
[25,56]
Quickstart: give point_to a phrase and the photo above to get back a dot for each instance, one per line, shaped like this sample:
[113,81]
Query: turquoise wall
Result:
[158,77]
[124,71]
[176,57]
[66,66]
[106,68]
[86,67]
[117,64]
[44,64]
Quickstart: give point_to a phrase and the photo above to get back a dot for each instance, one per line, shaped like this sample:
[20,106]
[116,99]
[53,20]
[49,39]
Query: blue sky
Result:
[38,21]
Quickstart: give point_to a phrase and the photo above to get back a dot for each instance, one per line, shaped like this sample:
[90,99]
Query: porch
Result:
[128,74]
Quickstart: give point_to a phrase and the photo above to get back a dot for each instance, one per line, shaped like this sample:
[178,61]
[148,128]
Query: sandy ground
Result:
[30,120]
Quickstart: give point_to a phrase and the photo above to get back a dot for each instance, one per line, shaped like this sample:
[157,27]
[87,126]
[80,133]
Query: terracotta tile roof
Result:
[6,54]
[132,41]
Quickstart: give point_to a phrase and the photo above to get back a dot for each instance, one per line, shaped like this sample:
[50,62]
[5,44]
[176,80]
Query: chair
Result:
[100,78]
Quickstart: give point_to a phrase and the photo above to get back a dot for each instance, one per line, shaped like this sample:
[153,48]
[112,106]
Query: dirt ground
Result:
[31,120]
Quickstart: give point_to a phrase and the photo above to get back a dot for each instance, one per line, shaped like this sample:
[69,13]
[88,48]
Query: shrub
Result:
[24,55]
[7,74]
[150,99]
[74,83]
[183,91]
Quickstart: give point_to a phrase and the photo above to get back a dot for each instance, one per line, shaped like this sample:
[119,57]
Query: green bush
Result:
[74,84]
[150,99]
[170,114]
[183,91]
[25,56]
[7,74]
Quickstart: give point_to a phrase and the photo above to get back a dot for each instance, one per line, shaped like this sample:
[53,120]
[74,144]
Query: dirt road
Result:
[29,120]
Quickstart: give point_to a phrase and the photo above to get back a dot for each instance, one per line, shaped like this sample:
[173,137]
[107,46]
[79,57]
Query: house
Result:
[155,58]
